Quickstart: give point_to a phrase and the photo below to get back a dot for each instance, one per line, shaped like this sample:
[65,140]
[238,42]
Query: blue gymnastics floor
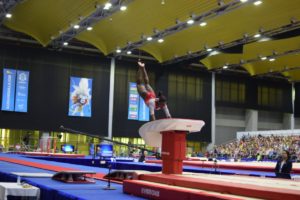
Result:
[55,190]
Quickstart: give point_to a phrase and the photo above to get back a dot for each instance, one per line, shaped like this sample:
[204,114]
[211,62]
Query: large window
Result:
[187,87]
[230,91]
[269,96]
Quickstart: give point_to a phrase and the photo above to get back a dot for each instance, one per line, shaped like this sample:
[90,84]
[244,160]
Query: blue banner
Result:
[144,111]
[80,101]
[22,91]
[8,91]
[133,110]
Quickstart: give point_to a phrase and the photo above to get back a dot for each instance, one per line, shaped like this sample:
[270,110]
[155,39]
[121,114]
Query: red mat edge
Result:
[168,192]
[98,176]
[223,187]
[225,166]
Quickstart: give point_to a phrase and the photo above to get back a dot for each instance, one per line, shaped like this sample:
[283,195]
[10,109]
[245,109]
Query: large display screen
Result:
[67,148]
[22,91]
[80,101]
[8,90]
[105,150]
[137,109]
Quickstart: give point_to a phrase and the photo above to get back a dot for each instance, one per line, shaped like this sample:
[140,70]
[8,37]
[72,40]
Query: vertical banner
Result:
[133,110]
[22,91]
[144,111]
[8,92]
[80,101]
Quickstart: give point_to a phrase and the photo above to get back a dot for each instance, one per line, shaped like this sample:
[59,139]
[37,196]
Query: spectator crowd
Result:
[259,148]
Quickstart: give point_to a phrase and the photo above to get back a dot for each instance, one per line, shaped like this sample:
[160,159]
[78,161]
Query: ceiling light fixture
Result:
[66,43]
[8,15]
[149,38]
[107,6]
[243,1]
[89,28]
[257,3]
[190,21]
[118,50]
[225,66]
[272,59]
[257,35]
[160,40]
[163,2]
[76,26]
[263,58]
[129,52]
[203,24]
[123,8]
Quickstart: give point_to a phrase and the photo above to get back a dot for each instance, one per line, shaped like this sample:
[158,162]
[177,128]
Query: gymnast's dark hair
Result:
[161,97]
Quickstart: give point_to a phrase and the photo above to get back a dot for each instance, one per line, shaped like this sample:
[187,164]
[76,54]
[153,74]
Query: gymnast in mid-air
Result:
[147,93]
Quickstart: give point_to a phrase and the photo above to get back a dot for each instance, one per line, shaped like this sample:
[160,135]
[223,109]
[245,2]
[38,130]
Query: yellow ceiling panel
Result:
[293,75]
[220,60]
[281,63]
[141,17]
[266,48]
[228,27]
[42,19]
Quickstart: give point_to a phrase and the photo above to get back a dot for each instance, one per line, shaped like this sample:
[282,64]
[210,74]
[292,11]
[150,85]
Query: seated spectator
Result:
[284,166]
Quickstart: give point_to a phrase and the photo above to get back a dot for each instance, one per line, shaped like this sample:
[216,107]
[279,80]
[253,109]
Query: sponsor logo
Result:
[150,192]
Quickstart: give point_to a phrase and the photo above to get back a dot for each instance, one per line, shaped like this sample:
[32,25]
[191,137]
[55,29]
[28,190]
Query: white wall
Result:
[229,121]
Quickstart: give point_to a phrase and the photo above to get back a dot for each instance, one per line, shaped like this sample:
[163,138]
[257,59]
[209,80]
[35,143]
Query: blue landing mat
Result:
[54,190]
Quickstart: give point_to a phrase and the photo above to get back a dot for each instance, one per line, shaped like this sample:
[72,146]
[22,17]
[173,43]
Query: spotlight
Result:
[129,52]
[257,3]
[76,26]
[149,38]
[123,8]
[107,6]
[263,58]
[190,21]
[89,28]
[272,59]
[203,24]
[118,50]
[243,1]
[225,66]
[207,48]
[8,15]
[163,2]
[178,21]
[257,35]
[65,43]
[160,40]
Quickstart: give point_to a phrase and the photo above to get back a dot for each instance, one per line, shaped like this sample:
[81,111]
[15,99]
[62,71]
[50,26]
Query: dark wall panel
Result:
[50,73]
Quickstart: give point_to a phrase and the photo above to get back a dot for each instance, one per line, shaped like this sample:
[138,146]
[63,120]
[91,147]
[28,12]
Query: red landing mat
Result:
[239,166]
[98,176]
[159,191]
[247,187]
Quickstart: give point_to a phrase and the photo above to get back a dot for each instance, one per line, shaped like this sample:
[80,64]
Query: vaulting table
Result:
[170,135]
